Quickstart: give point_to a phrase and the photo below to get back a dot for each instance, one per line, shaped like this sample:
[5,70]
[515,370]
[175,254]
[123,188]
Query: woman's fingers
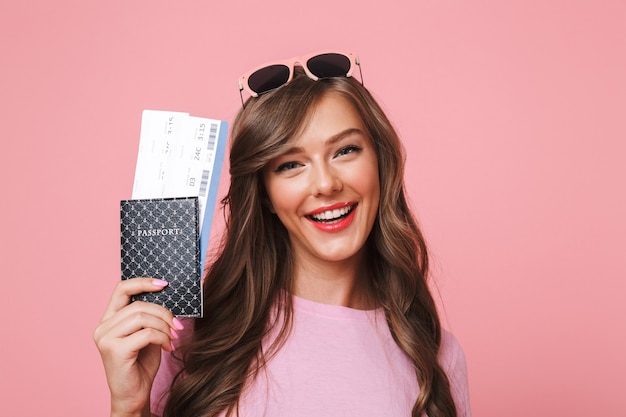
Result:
[139,315]
[125,289]
[129,347]
[122,320]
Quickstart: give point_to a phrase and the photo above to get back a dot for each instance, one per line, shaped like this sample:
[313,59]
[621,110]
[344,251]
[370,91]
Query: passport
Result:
[160,238]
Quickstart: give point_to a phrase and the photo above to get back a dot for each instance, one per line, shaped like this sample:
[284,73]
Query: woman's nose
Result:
[325,180]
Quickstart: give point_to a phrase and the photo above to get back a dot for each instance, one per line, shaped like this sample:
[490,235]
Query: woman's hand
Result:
[130,338]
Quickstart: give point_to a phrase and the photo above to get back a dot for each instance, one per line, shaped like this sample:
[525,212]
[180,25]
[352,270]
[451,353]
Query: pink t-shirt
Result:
[337,361]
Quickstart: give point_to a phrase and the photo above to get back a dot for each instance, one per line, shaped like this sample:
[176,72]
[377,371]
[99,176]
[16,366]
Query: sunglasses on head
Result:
[318,65]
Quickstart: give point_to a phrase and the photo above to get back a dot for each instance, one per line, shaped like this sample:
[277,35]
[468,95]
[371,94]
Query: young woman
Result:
[317,303]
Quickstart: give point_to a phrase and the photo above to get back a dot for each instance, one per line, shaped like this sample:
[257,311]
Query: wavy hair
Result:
[253,266]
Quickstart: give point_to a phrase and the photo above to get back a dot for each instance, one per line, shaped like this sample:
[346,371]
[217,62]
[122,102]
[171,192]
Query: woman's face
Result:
[325,187]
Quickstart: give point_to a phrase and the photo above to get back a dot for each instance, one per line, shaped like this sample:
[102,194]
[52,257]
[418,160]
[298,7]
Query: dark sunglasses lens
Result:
[268,78]
[329,65]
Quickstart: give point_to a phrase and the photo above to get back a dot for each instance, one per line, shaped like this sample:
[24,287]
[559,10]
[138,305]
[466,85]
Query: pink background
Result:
[513,113]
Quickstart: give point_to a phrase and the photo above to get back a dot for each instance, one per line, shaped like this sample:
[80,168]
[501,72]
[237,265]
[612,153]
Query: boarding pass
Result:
[177,157]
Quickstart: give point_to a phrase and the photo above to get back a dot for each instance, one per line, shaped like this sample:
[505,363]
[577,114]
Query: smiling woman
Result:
[317,303]
[325,191]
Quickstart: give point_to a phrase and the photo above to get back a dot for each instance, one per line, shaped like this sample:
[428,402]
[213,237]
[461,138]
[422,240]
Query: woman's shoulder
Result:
[450,347]
[452,360]
[449,341]
[450,350]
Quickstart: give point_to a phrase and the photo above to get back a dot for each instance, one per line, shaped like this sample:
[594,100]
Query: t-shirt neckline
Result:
[332,310]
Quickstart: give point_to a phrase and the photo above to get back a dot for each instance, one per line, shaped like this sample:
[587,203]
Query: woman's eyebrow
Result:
[344,133]
[330,141]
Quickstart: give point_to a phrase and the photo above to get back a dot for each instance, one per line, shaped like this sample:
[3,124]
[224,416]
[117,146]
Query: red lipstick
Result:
[333,218]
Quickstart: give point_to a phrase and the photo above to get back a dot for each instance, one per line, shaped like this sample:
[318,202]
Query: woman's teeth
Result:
[331,215]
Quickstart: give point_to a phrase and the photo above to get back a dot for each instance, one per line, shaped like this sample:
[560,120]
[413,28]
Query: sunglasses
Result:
[318,65]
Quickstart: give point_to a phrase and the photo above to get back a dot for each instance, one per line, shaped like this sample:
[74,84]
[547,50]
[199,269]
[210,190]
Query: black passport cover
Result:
[160,239]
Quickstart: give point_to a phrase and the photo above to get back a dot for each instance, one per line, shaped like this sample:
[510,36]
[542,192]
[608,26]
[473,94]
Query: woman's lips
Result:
[333,218]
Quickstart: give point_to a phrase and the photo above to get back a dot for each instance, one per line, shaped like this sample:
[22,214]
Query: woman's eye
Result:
[349,149]
[287,166]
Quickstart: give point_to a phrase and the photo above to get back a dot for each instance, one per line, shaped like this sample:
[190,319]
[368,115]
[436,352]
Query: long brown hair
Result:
[253,267]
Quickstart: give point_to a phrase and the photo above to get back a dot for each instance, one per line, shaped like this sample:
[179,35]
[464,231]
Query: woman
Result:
[317,302]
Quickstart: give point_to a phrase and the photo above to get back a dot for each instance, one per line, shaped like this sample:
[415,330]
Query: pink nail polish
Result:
[159,283]
[178,324]
[174,334]
[172,346]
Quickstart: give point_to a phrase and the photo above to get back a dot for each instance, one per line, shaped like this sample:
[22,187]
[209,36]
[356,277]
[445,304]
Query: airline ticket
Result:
[177,157]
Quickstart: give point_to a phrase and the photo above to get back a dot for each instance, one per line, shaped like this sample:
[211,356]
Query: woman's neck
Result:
[342,283]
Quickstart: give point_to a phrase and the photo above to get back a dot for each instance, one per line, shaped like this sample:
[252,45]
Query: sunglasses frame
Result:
[290,64]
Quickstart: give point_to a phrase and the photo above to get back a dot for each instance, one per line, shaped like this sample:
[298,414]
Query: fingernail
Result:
[159,283]
[174,334]
[178,324]
[172,346]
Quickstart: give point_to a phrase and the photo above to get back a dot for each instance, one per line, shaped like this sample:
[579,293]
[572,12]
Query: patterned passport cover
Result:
[160,239]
